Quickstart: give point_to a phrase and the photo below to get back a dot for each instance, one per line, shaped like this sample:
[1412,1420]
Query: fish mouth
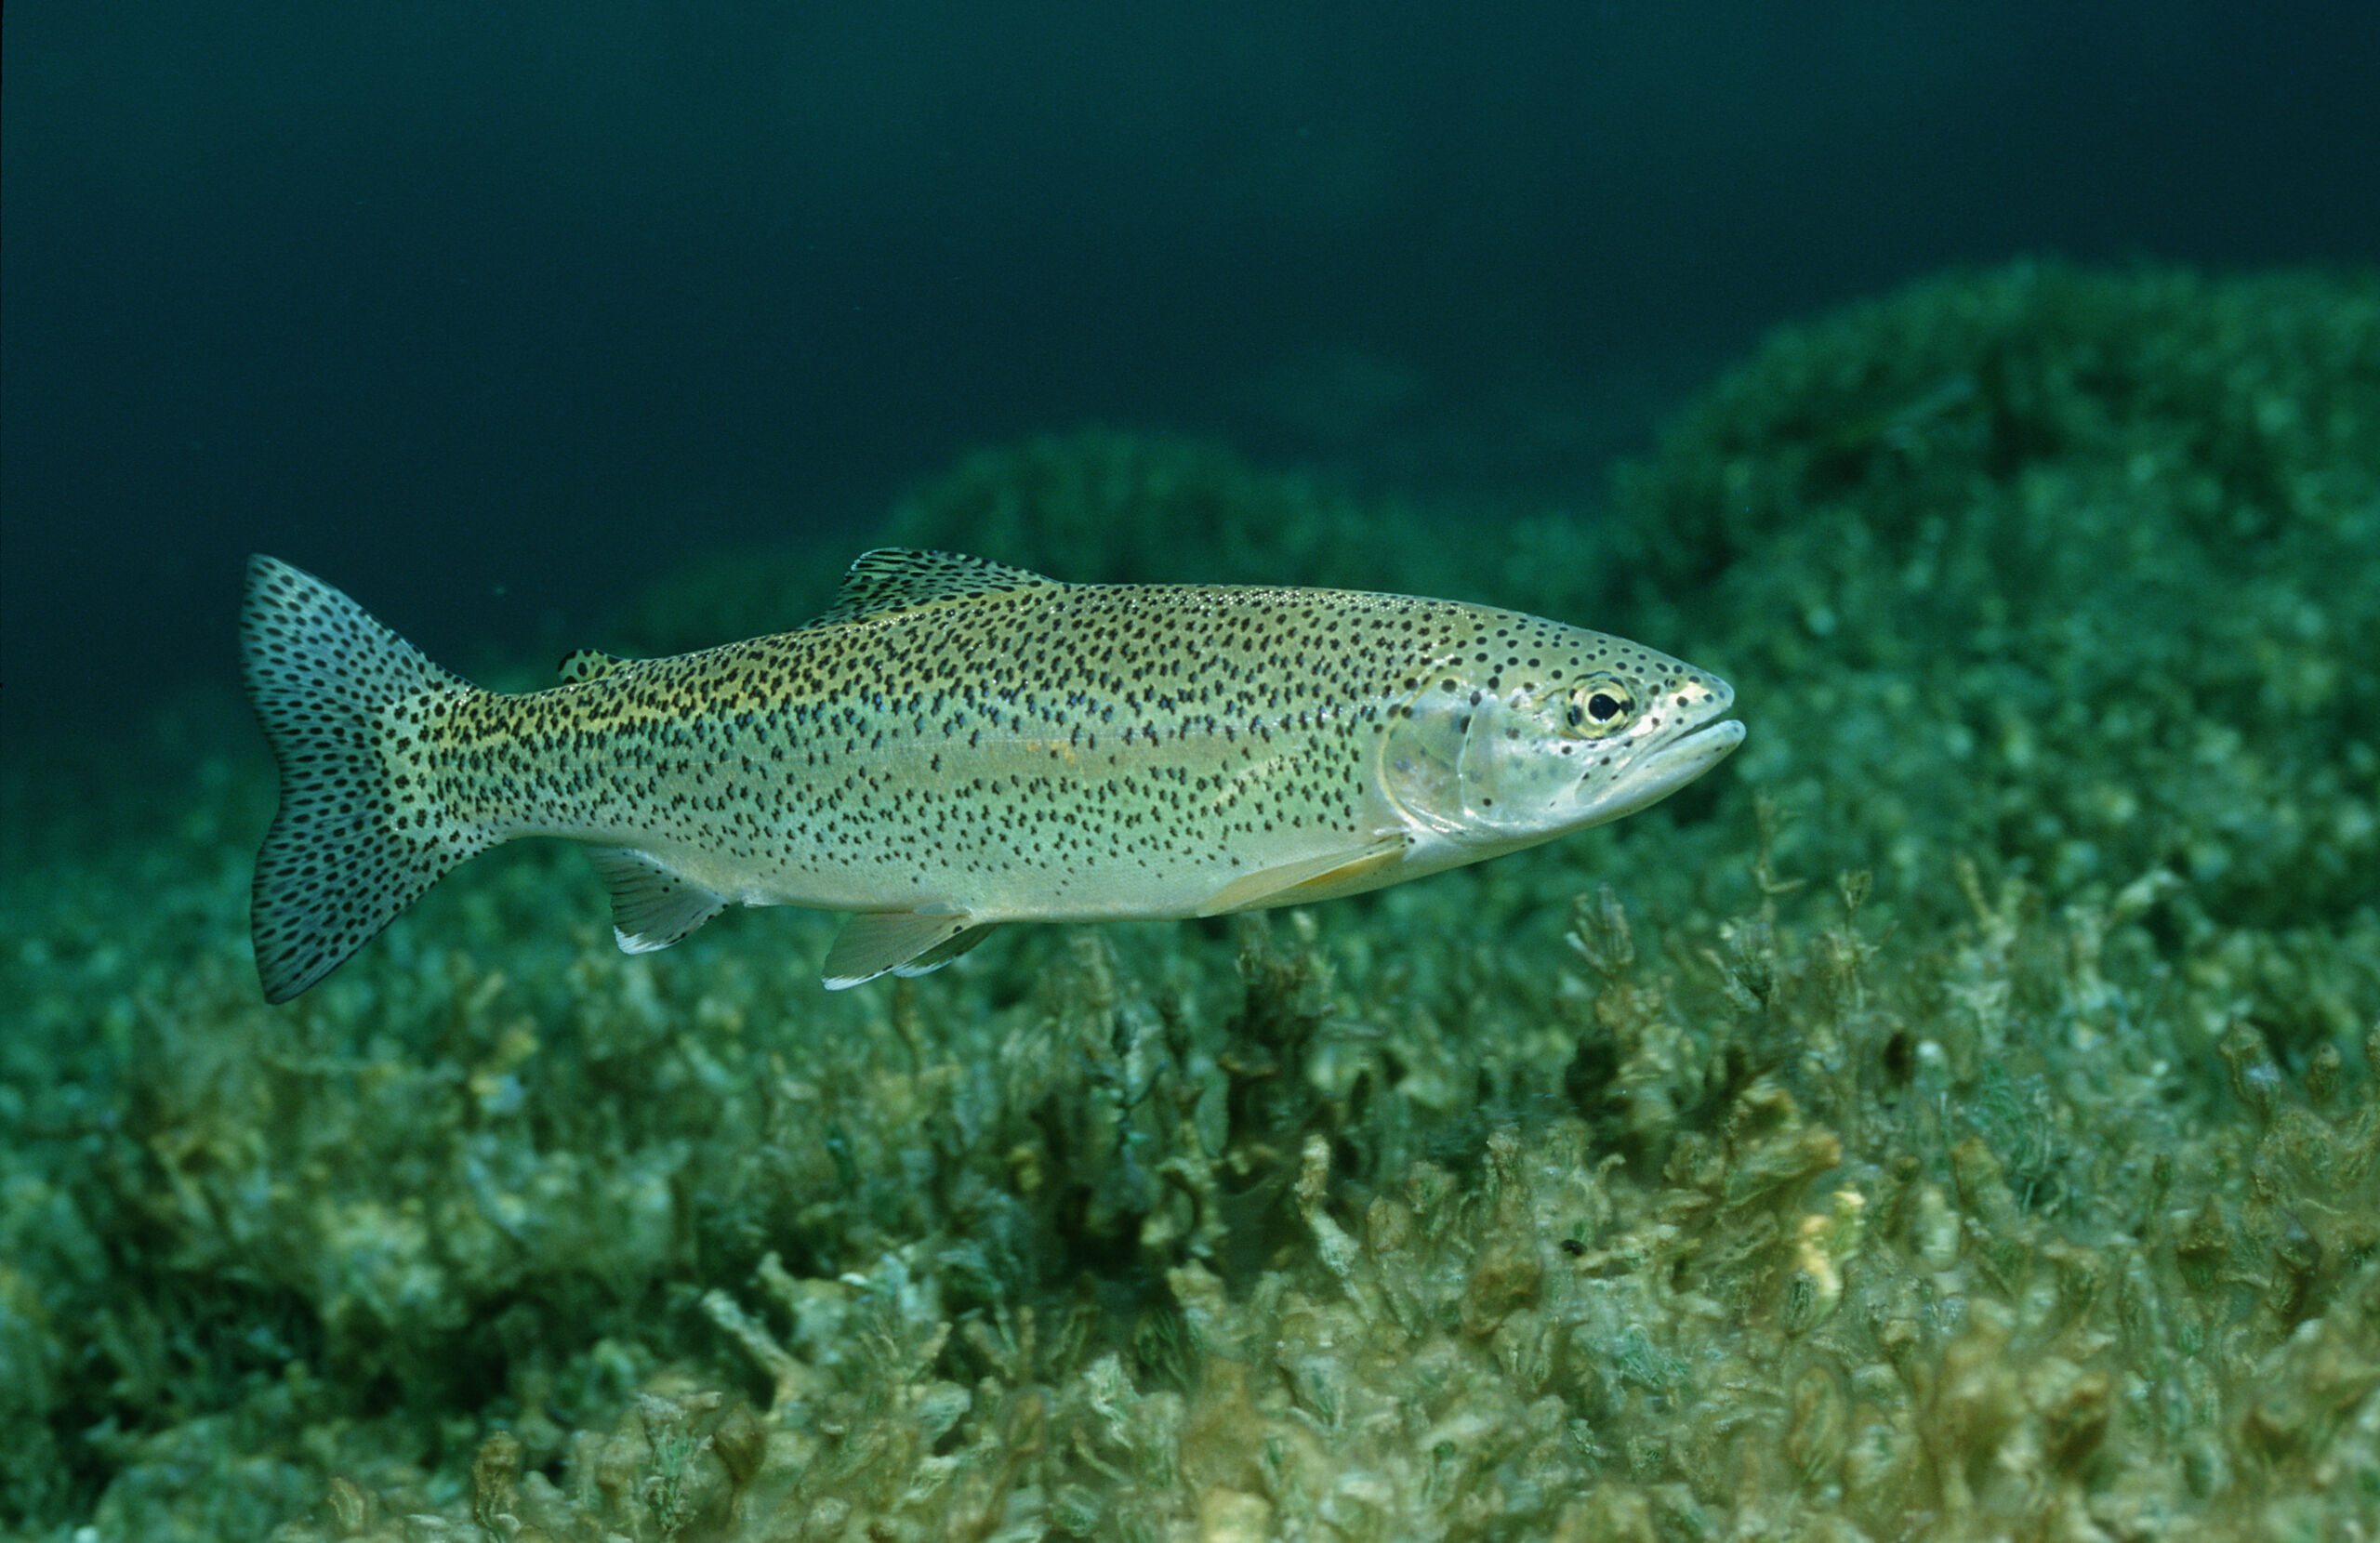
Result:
[1701,748]
[1667,768]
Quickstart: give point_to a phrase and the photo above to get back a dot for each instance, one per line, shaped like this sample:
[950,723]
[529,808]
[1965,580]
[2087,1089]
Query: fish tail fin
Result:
[349,848]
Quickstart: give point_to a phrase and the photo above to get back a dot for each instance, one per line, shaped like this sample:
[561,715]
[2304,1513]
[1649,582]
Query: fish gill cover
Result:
[1961,1121]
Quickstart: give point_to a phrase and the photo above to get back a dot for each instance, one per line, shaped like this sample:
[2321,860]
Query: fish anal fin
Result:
[908,943]
[653,904]
[890,579]
[1346,872]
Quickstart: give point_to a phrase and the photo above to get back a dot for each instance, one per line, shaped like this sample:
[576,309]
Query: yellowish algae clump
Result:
[1959,1121]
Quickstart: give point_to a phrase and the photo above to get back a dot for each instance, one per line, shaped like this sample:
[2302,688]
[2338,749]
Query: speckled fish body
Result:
[955,745]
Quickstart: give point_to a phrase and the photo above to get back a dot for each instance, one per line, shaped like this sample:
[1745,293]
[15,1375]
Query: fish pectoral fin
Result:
[905,943]
[1347,871]
[653,904]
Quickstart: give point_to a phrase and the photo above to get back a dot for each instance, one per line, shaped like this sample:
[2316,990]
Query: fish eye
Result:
[1597,708]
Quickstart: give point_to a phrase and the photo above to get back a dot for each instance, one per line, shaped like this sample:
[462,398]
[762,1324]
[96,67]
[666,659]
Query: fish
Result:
[956,744]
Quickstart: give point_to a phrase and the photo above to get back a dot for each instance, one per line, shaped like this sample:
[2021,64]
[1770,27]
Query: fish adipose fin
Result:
[581,666]
[1333,873]
[904,942]
[348,849]
[653,904]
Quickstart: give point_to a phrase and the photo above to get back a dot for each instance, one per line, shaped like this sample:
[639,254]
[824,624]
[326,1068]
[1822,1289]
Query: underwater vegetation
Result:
[1959,1117]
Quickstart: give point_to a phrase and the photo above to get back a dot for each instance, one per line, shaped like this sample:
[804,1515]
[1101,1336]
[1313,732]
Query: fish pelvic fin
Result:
[348,849]
[900,942]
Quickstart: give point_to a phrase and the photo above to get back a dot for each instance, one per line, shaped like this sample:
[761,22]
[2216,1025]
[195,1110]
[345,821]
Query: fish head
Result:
[1601,729]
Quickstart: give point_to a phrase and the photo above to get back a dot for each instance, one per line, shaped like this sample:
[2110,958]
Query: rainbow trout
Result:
[954,745]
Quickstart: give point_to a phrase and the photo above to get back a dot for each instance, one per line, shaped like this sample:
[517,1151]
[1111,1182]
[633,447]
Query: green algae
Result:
[1958,1119]
[2078,563]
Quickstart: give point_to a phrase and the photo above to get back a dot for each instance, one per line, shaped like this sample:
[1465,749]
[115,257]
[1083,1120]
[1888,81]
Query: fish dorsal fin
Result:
[890,579]
[587,664]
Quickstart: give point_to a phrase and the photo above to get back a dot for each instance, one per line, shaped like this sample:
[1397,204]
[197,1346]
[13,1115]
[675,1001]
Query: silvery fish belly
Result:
[955,745]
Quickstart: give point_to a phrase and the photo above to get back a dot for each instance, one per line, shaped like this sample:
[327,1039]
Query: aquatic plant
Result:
[1961,1122]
